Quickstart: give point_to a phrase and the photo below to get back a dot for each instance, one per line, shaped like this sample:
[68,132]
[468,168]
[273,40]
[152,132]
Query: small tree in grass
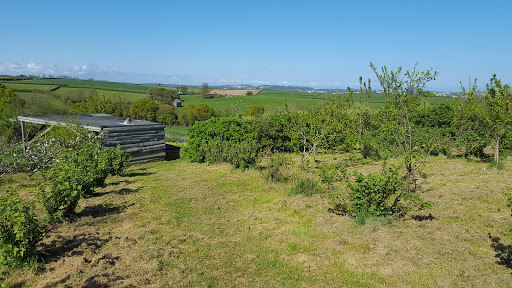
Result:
[495,110]
[403,91]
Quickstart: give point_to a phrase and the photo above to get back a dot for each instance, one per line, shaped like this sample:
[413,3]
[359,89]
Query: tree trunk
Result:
[497,150]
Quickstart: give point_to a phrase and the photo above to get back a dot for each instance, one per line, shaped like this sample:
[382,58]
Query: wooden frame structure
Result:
[143,140]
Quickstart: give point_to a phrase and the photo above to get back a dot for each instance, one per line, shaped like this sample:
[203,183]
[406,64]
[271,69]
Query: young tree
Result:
[205,90]
[162,95]
[495,110]
[403,91]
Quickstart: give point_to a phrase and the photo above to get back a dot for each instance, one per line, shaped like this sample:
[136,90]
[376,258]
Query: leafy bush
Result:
[193,113]
[20,231]
[255,110]
[144,109]
[75,174]
[115,105]
[373,193]
[306,187]
[166,114]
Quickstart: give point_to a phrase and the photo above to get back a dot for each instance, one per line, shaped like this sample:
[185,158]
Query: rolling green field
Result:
[131,96]
[92,84]
[272,100]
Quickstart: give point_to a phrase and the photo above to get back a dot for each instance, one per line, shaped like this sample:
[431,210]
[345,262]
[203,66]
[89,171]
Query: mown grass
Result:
[182,224]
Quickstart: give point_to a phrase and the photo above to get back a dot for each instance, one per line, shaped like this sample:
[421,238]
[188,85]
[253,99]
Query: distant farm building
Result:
[143,140]
[177,103]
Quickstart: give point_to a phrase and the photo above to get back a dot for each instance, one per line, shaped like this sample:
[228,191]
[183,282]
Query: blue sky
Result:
[323,44]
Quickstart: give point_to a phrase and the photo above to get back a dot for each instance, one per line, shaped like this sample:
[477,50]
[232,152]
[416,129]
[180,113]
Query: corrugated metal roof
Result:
[93,122]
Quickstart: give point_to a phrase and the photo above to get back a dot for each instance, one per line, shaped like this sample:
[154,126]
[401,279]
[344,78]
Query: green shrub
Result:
[255,110]
[75,174]
[115,105]
[373,193]
[306,187]
[274,172]
[20,231]
[144,109]
[113,161]
[194,113]
[166,114]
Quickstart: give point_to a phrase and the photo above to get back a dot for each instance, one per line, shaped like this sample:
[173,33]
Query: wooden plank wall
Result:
[143,143]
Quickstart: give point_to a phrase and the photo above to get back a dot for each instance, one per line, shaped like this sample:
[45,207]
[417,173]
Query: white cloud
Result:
[16,68]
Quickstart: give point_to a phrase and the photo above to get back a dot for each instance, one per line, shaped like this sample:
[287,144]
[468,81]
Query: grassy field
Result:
[131,96]
[272,100]
[20,85]
[91,84]
[176,133]
[180,224]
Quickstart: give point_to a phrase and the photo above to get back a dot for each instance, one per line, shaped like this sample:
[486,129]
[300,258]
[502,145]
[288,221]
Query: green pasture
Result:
[93,84]
[274,100]
[21,85]
[131,96]
[42,103]
[176,133]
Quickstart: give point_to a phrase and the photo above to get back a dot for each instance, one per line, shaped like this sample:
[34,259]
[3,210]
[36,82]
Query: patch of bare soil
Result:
[235,92]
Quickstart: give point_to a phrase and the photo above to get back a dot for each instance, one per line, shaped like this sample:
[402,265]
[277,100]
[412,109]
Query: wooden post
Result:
[23,135]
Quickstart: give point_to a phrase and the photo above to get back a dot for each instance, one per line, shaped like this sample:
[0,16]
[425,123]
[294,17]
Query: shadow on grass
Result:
[102,280]
[64,246]
[102,210]
[138,172]
[420,218]
[17,285]
[503,252]
[122,191]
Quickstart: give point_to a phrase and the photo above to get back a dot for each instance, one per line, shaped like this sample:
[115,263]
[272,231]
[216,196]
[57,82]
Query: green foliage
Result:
[20,231]
[332,173]
[255,110]
[166,114]
[163,95]
[205,91]
[275,169]
[306,187]
[75,174]
[39,155]
[248,93]
[373,194]
[226,139]
[113,105]
[10,107]
[404,91]
[495,111]
[144,109]
[79,95]
[193,113]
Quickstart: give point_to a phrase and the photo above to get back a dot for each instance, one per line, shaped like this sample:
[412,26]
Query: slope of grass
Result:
[92,84]
[181,224]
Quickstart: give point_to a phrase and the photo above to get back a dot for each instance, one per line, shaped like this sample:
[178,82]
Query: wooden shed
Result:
[143,140]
